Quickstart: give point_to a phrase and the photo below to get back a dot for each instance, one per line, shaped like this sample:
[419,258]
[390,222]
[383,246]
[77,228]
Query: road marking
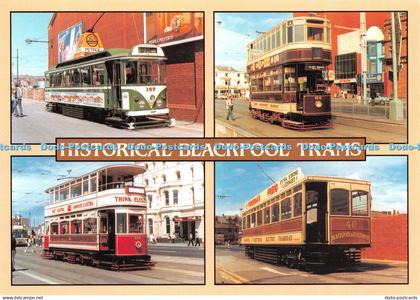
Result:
[232,276]
[192,273]
[39,277]
[274,271]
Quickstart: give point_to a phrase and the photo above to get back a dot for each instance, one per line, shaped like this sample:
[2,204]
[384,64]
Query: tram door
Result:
[116,83]
[316,210]
[111,229]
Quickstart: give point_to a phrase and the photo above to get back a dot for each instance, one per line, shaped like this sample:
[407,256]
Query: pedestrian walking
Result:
[29,245]
[13,101]
[197,239]
[229,108]
[18,112]
[13,252]
[191,239]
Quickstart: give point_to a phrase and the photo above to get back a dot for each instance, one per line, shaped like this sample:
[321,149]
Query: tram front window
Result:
[131,72]
[136,223]
[315,33]
[152,72]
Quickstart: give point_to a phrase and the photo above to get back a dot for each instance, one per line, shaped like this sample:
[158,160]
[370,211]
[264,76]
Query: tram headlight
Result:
[318,103]
[152,98]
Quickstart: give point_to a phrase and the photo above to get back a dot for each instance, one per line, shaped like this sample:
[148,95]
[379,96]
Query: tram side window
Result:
[259,218]
[86,76]
[339,202]
[89,226]
[283,33]
[297,204]
[315,33]
[75,77]
[54,228]
[76,227]
[104,225]
[85,185]
[64,193]
[275,212]
[76,190]
[248,221]
[290,34]
[289,79]
[276,80]
[136,223]
[131,72]
[299,33]
[64,227]
[267,215]
[359,203]
[98,74]
[253,223]
[66,79]
[286,209]
[122,223]
[144,72]
[93,185]
[277,37]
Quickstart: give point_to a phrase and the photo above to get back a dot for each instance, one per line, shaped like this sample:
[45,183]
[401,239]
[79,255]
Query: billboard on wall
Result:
[177,27]
[68,42]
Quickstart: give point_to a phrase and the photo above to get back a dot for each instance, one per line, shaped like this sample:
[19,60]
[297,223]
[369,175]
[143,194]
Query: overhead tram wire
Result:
[265,174]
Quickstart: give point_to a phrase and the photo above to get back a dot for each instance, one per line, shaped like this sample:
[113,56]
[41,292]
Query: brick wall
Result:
[389,238]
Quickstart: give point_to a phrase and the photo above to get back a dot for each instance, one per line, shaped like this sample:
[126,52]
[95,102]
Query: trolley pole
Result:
[364,53]
[395,105]
[144,28]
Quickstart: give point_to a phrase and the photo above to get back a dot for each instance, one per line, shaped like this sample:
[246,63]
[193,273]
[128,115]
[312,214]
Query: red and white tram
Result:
[99,219]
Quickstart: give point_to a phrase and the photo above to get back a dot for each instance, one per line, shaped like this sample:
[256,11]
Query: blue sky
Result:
[32,175]
[233,31]
[33,58]
[243,180]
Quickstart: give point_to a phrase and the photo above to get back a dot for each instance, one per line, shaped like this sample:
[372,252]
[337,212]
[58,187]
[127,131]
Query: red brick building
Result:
[389,237]
[345,43]
[184,49]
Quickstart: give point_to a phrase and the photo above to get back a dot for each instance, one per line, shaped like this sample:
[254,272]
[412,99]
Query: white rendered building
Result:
[230,81]
[175,198]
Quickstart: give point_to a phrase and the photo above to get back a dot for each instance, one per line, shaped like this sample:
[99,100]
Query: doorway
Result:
[316,209]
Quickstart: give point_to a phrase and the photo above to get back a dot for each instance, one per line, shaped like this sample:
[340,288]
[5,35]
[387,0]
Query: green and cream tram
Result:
[118,86]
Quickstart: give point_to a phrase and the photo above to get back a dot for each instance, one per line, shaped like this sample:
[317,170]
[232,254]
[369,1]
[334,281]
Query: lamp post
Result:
[395,105]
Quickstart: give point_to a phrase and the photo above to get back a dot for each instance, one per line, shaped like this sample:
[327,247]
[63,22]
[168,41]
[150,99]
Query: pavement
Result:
[376,129]
[233,267]
[172,267]
[40,126]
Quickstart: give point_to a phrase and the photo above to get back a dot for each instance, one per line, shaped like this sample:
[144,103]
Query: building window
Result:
[168,225]
[175,196]
[192,195]
[166,193]
[164,178]
[178,175]
[150,221]
[150,200]
[346,66]
[146,182]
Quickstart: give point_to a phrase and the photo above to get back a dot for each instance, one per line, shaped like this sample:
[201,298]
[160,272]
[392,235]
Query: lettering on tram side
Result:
[272,189]
[253,201]
[130,199]
[285,238]
[342,236]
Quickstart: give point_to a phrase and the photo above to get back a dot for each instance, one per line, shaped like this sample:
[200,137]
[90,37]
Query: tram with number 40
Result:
[98,219]
[288,74]
[308,221]
[120,87]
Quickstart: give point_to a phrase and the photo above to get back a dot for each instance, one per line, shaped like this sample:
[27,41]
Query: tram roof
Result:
[120,169]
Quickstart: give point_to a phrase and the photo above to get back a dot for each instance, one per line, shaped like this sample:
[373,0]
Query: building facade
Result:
[179,34]
[227,229]
[345,73]
[175,199]
[229,81]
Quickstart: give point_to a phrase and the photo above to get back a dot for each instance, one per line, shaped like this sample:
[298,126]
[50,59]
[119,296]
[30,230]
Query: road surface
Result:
[344,125]
[175,264]
[233,267]
[41,126]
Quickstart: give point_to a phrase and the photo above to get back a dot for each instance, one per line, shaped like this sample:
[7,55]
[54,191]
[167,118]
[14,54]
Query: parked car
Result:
[379,101]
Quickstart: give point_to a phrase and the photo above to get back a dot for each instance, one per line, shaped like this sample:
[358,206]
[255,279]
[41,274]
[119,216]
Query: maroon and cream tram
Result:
[308,221]
[288,71]
[98,219]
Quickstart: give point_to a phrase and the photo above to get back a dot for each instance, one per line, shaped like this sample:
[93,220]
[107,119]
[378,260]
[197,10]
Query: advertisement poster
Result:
[230,149]
[68,42]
